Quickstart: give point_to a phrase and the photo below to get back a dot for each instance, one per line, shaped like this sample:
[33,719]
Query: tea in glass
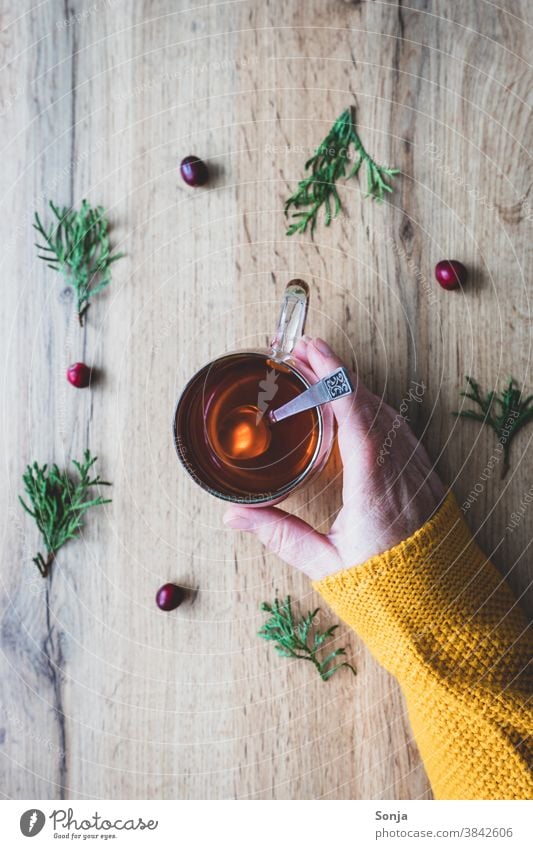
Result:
[223,434]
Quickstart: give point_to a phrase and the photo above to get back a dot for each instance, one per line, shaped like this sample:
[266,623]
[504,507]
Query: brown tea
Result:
[223,434]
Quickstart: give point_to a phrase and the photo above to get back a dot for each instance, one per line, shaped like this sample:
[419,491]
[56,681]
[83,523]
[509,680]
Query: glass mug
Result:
[217,422]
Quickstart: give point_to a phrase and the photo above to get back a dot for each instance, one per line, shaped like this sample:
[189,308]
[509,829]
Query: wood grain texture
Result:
[102,695]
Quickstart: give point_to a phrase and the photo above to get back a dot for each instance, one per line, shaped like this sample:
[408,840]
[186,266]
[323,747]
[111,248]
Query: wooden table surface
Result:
[102,694]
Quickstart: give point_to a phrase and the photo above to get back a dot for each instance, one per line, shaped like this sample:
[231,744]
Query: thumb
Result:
[289,537]
[355,415]
[351,411]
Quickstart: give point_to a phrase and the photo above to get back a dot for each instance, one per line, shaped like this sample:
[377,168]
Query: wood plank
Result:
[102,695]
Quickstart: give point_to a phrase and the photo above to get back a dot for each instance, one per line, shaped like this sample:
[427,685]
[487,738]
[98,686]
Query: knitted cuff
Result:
[431,601]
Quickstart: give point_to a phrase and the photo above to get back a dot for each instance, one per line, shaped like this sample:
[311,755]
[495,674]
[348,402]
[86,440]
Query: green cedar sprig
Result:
[59,504]
[328,165]
[506,413]
[77,245]
[293,638]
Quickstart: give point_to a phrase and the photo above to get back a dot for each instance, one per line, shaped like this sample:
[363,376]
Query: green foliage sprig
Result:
[59,504]
[293,637]
[506,413]
[328,165]
[78,246]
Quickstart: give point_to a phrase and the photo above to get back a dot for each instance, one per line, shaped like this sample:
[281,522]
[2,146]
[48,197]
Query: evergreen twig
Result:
[327,166]
[77,245]
[59,504]
[506,413]
[294,638]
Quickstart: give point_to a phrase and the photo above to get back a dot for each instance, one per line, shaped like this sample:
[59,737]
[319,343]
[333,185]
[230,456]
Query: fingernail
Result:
[305,338]
[237,521]
[323,347]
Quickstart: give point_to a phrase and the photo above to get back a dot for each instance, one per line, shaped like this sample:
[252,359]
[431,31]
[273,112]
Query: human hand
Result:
[390,488]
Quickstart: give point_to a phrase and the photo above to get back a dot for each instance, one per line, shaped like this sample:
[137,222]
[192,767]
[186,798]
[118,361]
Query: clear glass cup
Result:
[300,447]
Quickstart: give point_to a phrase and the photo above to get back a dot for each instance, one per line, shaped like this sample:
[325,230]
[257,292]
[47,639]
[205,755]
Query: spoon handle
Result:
[335,385]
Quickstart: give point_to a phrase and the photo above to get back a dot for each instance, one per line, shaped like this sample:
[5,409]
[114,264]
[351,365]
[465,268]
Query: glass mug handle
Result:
[291,320]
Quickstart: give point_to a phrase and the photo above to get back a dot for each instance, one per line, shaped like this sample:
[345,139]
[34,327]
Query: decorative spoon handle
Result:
[335,385]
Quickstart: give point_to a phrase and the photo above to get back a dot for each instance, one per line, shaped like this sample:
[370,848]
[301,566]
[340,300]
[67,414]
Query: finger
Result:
[348,409]
[289,537]
[300,349]
[355,414]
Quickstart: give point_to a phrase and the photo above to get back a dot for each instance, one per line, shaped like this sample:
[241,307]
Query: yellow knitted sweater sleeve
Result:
[438,616]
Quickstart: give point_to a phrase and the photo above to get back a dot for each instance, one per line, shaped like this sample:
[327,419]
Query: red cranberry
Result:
[194,171]
[450,273]
[79,375]
[169,596]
